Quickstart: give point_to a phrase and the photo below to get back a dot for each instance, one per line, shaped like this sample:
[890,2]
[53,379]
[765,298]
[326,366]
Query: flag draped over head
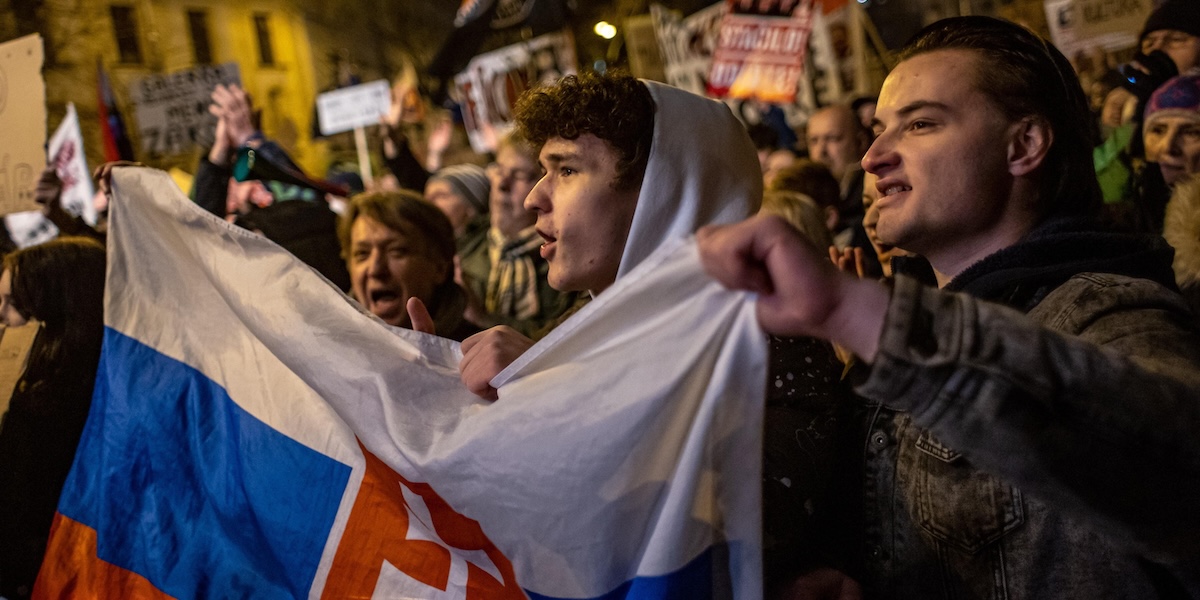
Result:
[254,433]
[112,125]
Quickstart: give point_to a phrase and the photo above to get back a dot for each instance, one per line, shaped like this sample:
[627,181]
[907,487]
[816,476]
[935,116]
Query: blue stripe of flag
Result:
[187,489]
[704,578]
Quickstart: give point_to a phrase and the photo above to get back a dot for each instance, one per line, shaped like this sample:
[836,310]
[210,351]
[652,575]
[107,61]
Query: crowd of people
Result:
[985,350]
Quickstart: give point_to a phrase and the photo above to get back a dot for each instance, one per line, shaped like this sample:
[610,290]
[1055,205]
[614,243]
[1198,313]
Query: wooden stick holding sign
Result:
[364,157]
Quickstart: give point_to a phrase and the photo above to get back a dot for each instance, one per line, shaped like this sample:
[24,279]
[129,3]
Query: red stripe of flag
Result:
[71,569]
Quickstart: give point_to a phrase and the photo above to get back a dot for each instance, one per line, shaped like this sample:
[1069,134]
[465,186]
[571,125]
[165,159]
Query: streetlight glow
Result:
[605,30]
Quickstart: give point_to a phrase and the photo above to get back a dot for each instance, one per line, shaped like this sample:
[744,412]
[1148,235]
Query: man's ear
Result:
[1028,144]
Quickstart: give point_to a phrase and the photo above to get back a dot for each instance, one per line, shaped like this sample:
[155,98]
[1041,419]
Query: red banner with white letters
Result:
[760,50]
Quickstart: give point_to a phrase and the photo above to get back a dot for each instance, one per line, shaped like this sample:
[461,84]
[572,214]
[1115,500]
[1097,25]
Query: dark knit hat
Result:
[1180,15]
[469,181]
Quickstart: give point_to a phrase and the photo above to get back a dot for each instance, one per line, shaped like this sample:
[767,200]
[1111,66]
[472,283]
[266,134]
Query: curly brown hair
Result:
[614,107]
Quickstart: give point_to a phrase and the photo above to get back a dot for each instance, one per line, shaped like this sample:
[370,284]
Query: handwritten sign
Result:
[352,107]
[172,110]
[23,123]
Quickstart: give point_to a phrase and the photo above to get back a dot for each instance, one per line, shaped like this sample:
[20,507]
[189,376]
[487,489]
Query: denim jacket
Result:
[1053,454]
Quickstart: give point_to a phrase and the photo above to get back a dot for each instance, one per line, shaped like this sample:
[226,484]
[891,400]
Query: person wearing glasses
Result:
[1169,45]
[1174,28]
[503,272]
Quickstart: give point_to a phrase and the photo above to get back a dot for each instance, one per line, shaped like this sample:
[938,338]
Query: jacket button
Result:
[879,439]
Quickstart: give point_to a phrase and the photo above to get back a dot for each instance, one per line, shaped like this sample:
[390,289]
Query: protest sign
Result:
[760,50]
[172,110]
[353,108]
[1079,25]
[492,82]
[686,44]
[29,228]
[347,108]
[645,57]
[23,121]
[70,162]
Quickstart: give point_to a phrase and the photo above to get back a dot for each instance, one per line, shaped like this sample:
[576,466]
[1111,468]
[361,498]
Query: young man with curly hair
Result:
[629,165]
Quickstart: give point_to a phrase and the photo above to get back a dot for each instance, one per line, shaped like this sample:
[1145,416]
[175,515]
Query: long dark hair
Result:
[61,284]
[1026,76]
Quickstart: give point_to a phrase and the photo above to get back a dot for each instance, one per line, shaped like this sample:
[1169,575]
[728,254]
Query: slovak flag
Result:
[255,434]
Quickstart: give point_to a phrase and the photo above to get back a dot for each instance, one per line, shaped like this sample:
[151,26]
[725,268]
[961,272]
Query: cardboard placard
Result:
[172,110]
[23,121]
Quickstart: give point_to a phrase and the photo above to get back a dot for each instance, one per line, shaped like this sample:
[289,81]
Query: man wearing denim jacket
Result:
[1028,427]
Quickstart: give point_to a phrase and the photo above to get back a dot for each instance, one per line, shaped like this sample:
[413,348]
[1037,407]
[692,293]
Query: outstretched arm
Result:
[800,292]
[1093,408]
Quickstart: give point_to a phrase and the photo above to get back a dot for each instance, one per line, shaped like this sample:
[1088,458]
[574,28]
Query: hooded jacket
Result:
[703,170]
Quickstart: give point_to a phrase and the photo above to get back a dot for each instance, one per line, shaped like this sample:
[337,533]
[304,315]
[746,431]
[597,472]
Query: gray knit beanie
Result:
[470,181]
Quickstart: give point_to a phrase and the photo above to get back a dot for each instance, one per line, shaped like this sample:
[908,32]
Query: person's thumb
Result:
[419,315]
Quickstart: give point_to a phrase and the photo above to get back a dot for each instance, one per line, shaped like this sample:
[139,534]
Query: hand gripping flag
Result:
[255,434]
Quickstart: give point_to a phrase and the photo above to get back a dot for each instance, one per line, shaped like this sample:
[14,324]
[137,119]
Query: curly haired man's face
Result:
[582,217]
